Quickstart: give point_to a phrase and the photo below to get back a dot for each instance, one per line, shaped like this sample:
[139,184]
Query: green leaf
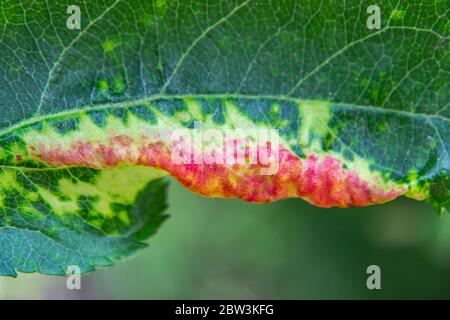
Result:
[361,115]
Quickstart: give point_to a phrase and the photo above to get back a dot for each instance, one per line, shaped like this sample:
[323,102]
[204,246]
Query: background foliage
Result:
[212,248]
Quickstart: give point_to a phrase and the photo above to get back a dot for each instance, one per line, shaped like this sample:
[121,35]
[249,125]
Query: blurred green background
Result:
[222,249]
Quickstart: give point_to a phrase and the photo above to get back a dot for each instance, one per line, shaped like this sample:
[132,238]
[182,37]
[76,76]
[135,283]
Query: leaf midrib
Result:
[135,102]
